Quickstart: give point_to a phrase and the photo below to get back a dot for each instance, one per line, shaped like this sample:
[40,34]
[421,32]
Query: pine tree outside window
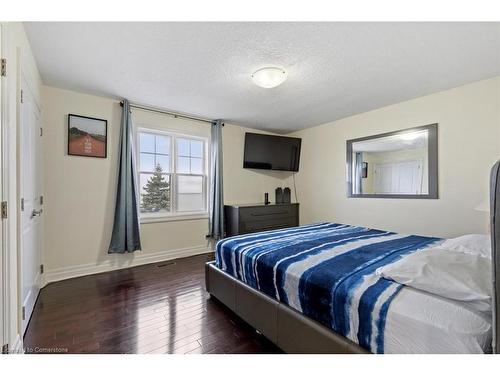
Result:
[172,174]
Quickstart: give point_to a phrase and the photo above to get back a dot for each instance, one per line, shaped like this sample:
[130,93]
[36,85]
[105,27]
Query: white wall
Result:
[469,144]
[80,191]
[16,49]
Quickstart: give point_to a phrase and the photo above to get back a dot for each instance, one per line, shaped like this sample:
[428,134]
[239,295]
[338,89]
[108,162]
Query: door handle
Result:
[36,213]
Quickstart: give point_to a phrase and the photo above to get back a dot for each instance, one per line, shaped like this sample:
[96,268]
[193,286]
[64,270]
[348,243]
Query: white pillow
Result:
[479,244]
[447,273]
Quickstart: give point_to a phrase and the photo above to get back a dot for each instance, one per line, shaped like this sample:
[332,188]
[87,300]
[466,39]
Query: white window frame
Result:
[173,215]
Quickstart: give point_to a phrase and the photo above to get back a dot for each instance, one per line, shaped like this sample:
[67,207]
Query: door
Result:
[382,178]
[404,177]
[410,177]
[30,201]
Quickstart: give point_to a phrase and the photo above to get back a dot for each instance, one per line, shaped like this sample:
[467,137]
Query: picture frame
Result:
[364,170]
[87,136]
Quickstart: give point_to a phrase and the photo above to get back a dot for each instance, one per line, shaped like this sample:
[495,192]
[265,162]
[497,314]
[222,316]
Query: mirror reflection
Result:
[394,164]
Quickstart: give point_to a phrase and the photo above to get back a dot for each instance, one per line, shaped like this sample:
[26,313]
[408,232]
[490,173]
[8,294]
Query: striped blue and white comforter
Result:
[326,271]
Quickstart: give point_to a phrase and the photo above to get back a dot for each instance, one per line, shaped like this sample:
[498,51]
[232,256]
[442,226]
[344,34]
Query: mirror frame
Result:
[432,149]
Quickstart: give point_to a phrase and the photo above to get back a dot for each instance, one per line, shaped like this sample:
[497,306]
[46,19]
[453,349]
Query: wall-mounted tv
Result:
[271,152]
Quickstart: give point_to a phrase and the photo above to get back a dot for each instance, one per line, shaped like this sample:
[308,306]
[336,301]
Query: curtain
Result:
[358,176]
[125,237]
[216,209]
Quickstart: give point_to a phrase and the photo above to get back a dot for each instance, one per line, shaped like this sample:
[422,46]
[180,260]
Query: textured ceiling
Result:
[335,69]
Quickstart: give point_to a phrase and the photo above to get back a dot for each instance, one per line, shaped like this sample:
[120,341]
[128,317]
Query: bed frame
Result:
[495,249]
[293,332]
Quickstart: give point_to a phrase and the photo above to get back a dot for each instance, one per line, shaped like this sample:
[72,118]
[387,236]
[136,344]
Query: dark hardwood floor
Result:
[156,308]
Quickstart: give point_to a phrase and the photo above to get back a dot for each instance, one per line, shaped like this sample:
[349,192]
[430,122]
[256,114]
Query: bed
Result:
[315,289]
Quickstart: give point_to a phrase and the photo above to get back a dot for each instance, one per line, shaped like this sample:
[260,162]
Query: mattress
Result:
[419,322]
[326,271]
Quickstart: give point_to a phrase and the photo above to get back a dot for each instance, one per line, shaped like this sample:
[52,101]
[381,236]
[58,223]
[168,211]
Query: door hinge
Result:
[4,68]
[5,349]
[41,200]
[22,204]
[22,96]
[24,313]
[4,210]
[41,268]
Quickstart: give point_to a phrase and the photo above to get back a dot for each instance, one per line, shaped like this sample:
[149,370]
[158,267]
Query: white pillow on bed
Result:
[479,244]
[447,273]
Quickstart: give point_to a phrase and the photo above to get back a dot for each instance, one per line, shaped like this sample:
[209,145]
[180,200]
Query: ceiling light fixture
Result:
[269,77]
[411,136]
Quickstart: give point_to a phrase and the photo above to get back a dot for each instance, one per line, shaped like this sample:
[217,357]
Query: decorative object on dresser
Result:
[249,218]
[287,195]
[279,195]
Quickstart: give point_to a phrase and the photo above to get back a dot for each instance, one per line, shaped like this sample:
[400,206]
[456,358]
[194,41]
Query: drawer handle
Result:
[269,227]
[270,213]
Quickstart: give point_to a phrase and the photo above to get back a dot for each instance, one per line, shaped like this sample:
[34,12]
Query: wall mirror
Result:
[400,164]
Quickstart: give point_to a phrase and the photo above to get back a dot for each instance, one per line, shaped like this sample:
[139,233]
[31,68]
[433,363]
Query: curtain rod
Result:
[174,114]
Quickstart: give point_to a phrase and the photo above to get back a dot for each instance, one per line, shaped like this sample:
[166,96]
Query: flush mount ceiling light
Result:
[412,136]
[269,77]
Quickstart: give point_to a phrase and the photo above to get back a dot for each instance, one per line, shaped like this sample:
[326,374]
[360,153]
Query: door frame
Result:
[3,245]
[8,253]
[24,77]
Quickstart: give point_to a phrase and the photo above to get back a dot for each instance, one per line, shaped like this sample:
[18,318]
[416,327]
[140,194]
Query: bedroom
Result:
[225,187]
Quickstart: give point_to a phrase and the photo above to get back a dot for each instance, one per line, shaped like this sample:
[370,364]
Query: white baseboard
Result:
[120,261]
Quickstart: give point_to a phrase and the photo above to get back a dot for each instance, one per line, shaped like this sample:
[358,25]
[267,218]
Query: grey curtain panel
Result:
[125,237]
[216,209]
[358,188]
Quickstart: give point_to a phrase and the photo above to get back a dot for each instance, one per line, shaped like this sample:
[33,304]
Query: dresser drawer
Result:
[268,224]
[266,212]
[258,218]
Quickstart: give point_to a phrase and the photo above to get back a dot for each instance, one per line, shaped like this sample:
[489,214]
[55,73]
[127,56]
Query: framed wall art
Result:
[87,136]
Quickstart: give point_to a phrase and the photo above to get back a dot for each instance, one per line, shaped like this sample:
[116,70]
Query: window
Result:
[172,174]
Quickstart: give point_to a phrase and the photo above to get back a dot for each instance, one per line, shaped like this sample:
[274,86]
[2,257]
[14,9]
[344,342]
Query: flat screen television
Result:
[271,152]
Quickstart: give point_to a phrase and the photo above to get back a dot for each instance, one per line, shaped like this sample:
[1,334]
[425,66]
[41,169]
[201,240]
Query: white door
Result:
[404,177]
[30,201]
[409,177]
[382,178]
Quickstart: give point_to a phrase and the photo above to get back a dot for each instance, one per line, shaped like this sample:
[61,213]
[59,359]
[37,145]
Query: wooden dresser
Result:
[250,218]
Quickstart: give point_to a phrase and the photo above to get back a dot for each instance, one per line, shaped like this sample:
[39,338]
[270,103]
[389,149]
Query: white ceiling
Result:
[334,69]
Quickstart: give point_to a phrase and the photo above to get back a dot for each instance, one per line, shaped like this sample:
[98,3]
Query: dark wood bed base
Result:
[295,333]
[285,327]
[495,249]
